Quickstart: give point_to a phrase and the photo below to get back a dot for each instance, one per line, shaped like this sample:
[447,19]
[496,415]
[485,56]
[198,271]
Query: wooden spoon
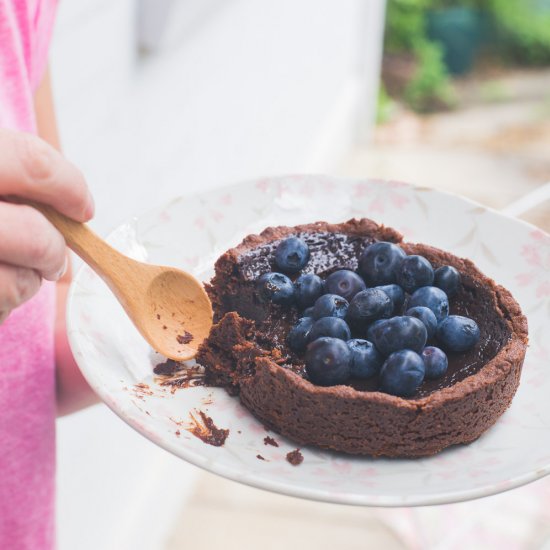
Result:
[168,306]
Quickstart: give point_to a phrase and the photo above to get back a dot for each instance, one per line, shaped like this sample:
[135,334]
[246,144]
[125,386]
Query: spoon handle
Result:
[101,257]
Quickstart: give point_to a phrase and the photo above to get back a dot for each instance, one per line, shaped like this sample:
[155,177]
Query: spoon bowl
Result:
[179,313]
[168,306]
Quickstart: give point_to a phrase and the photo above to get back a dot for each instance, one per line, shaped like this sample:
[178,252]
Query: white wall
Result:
[235,89]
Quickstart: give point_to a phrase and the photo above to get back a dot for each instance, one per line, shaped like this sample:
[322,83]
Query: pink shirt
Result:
[27,374]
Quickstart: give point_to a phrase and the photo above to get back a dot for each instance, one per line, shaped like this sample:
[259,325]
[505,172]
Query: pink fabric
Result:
[27,375]
[25,30]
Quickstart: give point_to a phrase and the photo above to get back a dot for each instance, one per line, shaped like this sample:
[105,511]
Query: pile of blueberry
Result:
[368,303]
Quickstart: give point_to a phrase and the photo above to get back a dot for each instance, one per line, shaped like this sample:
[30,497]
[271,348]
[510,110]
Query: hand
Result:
[30,247]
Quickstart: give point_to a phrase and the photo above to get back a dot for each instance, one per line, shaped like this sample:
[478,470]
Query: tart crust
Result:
[238,357]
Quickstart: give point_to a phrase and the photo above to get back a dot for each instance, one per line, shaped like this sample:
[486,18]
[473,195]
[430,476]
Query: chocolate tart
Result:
[247,354]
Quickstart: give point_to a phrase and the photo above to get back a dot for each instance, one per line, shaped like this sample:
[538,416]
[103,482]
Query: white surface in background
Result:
[247,94]
[529,201]
[246,89]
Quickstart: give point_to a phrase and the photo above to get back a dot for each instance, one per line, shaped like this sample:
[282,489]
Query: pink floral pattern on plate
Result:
[192,233]
[536,254]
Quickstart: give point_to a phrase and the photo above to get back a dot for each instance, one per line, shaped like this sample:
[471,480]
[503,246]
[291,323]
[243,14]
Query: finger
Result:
[17,285]
[30,168]
[27,239]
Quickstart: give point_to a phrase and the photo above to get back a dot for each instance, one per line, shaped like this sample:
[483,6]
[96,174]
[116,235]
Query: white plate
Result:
[192,232]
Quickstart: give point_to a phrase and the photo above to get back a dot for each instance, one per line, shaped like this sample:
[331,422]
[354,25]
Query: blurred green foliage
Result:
[518,29]
[522,30]
[406,32]
[430,88]
[385,107]
[405,25]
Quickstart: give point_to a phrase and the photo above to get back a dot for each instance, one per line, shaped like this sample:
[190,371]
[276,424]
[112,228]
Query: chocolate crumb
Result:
[158,316]
[206,430]
[178,433]
[176,375]
[295,457]
[141,390]
[270,441]
[169,367]
[184,338]
[260,457]
[164,327]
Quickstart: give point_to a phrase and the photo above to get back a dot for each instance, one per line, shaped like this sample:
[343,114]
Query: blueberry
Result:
[457,333]
[415,272]
[328,362]
[400,333]
[365,359]
[447,278]
[402,373]
[435,361]
[291,255]
[308,312]
[379,263]
[276,287]
[345,283]
[427,316]
[433,298]
[298,337]
[369,305]
[308,288]
[396,294]
[330,326]
[372,327]
[330,305]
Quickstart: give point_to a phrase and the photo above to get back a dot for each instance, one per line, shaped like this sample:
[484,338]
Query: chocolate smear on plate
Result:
[177,375]
[204,428]
[141,390]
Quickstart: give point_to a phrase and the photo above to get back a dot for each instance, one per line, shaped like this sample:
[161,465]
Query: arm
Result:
[73,392]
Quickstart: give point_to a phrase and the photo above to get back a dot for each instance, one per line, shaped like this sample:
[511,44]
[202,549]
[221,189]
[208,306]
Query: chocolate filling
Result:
[332,251]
